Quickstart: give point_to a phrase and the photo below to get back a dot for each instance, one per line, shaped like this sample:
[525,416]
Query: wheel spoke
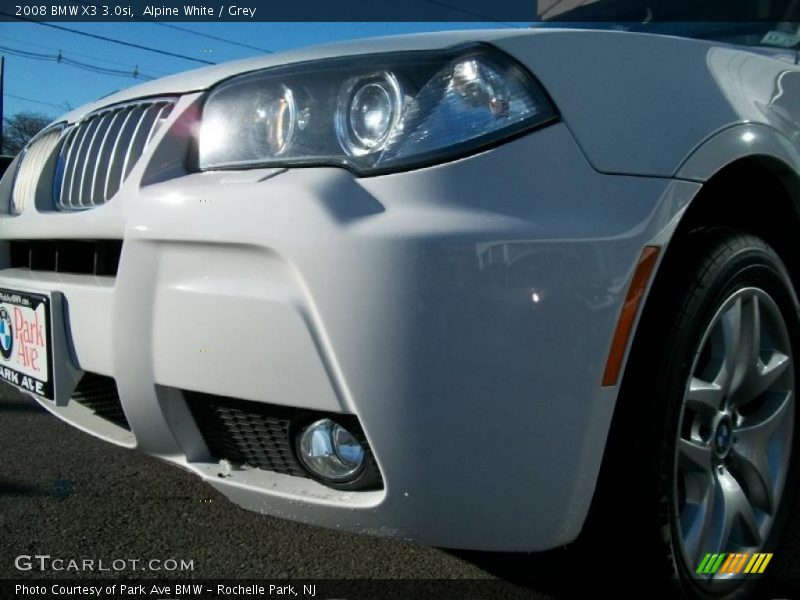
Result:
[759,378]
[753,467]
[768,374]
[751,448]
[745,379]
[695,518]
[713,535]
[694,455]
[750,335]
[738,508]
[731,326]
[730,508]
[705,395]
[757,429]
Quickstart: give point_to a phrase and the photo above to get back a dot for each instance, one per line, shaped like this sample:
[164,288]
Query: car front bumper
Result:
[462,312]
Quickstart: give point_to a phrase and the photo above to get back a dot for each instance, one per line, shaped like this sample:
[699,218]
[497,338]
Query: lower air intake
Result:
[99,394]
[261,435]
[83,257]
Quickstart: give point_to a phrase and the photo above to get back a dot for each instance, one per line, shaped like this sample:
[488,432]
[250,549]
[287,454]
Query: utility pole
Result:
[2,70]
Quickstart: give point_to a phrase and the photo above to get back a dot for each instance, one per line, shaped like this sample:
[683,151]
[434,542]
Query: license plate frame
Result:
[26,341]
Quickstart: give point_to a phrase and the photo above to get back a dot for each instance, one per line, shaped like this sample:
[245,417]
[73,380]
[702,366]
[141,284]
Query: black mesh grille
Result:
[99,257]
[245,433]
[261,435]
[99,393]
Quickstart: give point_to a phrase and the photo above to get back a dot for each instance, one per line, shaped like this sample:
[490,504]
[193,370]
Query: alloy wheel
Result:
[735,432]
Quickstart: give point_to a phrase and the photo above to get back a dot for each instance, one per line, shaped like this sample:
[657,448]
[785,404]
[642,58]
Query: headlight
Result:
[374,113]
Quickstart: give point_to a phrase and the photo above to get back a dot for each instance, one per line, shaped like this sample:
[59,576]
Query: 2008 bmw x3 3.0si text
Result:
[450,288]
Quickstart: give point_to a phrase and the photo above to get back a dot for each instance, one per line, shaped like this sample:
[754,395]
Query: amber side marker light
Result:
[641,277]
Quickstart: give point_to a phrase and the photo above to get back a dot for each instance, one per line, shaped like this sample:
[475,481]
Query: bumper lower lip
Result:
[406,300]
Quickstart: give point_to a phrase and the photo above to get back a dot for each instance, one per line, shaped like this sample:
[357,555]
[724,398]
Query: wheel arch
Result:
[756,191]
[750,177]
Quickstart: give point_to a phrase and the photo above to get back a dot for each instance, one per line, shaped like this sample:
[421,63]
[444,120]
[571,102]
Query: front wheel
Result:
[710,418]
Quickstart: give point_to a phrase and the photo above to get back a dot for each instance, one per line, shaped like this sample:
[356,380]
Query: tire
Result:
[703,441]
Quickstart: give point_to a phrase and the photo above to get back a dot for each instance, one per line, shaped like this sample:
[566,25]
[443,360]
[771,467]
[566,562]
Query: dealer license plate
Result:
[26,354]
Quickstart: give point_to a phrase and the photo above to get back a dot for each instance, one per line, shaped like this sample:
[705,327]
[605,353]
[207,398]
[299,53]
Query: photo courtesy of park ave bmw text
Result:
[420,300]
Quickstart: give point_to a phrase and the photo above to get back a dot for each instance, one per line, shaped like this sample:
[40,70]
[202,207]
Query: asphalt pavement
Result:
[68,495]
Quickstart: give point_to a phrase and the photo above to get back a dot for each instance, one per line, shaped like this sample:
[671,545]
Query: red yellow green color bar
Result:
[734,563]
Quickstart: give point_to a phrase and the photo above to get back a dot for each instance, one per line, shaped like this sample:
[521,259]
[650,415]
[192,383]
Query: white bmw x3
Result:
[454,288]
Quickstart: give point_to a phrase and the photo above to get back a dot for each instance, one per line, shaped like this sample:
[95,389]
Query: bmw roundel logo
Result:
[723,437]
[6,334]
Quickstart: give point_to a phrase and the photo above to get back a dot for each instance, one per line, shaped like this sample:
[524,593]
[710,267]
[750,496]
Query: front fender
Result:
[735,143]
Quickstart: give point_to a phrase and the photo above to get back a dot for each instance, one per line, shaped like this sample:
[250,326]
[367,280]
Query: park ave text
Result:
[123,589]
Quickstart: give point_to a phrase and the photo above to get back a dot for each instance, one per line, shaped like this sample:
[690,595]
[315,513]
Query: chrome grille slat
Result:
[80,161]
[102,158]
[87,160]
[67,148]
[114,155]
[41,152]
[100,152]
[134,143]
[90,164]
[162,114]
[31,166]
[69,179]
[28,183]
[35,159]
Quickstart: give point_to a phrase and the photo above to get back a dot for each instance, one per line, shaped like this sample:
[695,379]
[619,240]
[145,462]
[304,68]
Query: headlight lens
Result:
[277,117]
[373,113]
[369,110]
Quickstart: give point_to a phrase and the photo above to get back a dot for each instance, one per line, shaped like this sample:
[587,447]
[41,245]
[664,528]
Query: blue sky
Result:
[51,88]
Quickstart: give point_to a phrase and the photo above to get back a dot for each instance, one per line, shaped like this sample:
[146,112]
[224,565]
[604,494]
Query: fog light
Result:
[330,452]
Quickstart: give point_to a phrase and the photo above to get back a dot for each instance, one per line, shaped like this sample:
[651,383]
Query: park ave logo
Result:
[27,332]
[31,339]
[24,342]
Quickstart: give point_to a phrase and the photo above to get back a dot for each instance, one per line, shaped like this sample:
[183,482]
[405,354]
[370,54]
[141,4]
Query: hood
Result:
[205,77]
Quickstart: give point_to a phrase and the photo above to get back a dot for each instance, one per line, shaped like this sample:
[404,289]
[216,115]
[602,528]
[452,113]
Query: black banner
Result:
[499,11]
[353,589]
[282,589]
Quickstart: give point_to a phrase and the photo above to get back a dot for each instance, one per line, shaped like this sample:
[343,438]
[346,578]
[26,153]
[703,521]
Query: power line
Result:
[76,53]
[60,58]
[199,33]
[61,106]
[112,40]
[483,17]
[213,37]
